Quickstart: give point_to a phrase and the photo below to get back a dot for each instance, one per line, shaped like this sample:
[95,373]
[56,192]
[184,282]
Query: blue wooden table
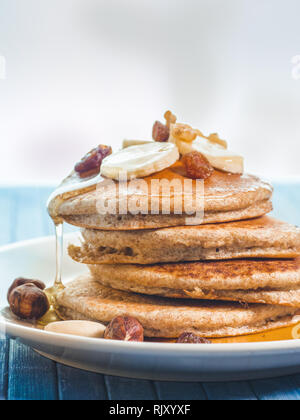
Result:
[26,375]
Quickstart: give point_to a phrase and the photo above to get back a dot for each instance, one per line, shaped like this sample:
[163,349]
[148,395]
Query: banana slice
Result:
[139,161]
[219,158]
[129,143]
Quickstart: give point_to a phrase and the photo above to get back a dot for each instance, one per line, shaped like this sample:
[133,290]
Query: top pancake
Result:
[227,197]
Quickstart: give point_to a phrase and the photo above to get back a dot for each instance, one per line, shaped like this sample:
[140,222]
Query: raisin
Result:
[197,166]
[189,337]
[161,132]
[91,163]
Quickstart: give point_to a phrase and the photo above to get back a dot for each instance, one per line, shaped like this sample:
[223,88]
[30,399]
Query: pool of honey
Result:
[279,334]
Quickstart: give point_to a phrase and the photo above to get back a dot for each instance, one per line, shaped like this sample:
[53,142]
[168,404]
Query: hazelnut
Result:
[189,337]
[21,281]
[124,328]
[28,302]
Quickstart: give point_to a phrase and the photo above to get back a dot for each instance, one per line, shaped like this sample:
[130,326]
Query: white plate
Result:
[157,361]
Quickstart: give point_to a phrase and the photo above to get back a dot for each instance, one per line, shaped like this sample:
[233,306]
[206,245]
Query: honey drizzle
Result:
[70,187]
[51,315]
[59,236]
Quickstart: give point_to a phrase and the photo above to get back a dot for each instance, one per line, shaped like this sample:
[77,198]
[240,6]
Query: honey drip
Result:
[70,187]
[51,315]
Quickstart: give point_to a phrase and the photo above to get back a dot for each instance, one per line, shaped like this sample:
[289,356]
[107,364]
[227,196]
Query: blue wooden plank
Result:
[280,389]
[31,377]
[297,379]
[236,391]
[129,389]
[4,354]
[8,210]
[180,391]
[75,384]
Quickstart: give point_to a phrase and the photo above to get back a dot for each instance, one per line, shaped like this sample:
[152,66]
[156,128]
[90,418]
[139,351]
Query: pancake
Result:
[141,221]
[168,318]
[275,282]
[227,197]
[257,238]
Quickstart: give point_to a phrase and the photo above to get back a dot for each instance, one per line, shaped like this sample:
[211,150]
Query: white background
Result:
[83,72]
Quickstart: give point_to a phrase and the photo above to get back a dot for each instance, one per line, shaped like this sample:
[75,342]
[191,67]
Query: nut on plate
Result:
[197,166]
[20,281]
[124,328]
[28,301]
[80,328]
[191,338]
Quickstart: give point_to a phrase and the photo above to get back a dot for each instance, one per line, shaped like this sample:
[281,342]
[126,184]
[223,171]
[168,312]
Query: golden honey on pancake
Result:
[222,191]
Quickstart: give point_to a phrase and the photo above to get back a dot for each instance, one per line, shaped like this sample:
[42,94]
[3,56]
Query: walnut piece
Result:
[184,132]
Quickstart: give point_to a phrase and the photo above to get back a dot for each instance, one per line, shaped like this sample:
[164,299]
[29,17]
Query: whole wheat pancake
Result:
[141,221]
[257,238]
[168,318]
[275,282]
[227,197]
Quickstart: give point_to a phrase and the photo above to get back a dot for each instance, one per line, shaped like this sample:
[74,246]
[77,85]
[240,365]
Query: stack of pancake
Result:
[237,273]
